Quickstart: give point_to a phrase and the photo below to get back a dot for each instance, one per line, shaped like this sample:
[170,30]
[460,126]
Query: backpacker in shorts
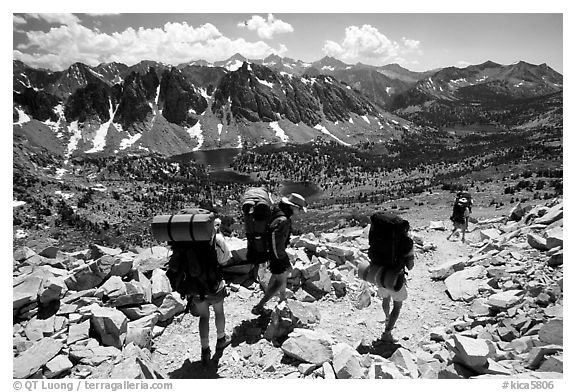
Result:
[389,247]
[257,208]
[462,208]
[193,267]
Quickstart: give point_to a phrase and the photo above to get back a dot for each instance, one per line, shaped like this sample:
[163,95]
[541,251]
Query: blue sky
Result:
[417,41]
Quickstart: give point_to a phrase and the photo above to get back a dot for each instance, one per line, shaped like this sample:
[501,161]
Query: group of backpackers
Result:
[199,251]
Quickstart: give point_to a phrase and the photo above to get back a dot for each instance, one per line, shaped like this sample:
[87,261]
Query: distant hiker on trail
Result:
[391,253]
[280,228]
[460,213]
[194,268]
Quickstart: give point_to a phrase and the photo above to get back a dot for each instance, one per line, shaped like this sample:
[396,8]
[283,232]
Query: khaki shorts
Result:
[397,296]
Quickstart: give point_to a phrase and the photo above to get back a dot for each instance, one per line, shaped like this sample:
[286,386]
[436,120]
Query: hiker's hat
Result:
[295,200]
[463,200]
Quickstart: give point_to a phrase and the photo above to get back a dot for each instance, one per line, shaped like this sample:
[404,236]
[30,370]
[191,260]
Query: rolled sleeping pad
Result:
[183,227]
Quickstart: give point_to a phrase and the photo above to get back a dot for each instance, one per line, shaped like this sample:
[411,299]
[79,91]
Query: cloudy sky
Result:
[417,41]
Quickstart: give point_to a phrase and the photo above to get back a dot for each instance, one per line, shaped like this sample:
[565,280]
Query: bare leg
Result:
[277,284]
[203,323]
[219,319]
[386,306]
[453,231]
[393,316]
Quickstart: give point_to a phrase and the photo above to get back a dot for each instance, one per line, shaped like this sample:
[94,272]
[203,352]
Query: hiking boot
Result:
[387,337]
[258,310]
[223,342]
[205,356]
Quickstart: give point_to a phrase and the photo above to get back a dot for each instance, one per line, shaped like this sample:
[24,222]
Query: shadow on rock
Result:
[196,370]
[251,331]
[379,347]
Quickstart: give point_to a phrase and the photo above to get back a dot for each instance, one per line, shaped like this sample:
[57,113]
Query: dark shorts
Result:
[211,298]
[279,266]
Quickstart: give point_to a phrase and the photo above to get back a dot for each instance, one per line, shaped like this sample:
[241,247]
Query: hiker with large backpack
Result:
[391,254]
[194,269]
[461,210]
[277,237]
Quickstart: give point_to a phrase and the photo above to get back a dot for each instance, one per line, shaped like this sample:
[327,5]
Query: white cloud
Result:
[463,63]
[18,20]
[174,43]
[65,19]
[411,44]
[367,43]
[266,28]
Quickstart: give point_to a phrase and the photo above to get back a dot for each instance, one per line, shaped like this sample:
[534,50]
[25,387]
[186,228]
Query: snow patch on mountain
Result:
[234,66]
[365,118]
[129,141]
[204,93]
[99,141]
[350,120]
[279,131]
[239,142]
[55,125]
[76,136]
[22,117]
[196,133]
[286,74]
[326,132]
[219,131]
[265,83]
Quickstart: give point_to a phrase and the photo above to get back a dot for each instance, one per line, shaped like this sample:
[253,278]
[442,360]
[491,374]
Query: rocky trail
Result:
[490,307]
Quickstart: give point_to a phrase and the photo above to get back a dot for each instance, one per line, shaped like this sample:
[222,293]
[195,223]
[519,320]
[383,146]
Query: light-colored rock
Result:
[97,251]
[441,271]
[160,284]
[58,366]
[78,332]
[26,292]
[110,325]
[472,352]
[328,371]
[463,285]
[310,270]
[23,253]
[384,369]
[406,362]
[554,213]
[32,360]
[480,307]
[346,362]
[320,286]
[37,329]
[437,225]
[489,234]
[505,299]
[149,259]
[308,346]
[139,331]
[171,305]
